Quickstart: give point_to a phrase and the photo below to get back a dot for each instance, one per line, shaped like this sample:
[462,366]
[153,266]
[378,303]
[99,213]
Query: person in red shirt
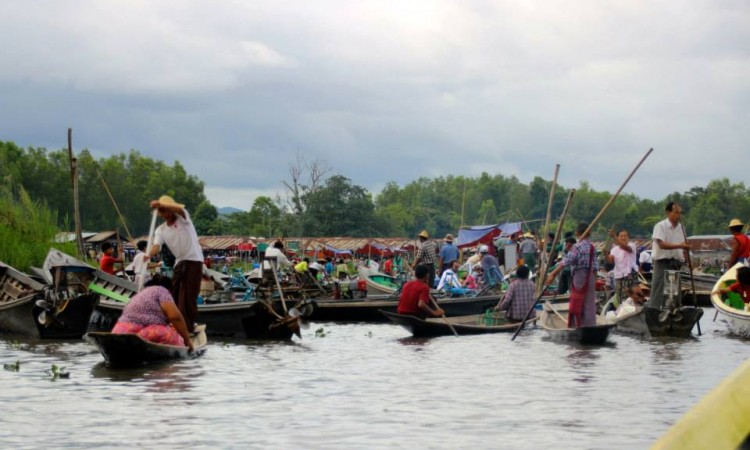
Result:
[415,296]
[107,261]
[740,243]
[741,286]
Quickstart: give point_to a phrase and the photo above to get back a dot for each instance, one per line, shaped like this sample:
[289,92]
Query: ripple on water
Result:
[367,386]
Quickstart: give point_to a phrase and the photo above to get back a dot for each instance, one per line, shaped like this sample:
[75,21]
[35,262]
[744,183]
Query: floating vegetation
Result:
[12,367]
[57,372]
[369,334]
[321,332]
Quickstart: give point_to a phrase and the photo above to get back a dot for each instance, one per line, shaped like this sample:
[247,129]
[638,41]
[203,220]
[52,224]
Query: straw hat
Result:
[448,238]
[424,234]
[168,201]
[735,223]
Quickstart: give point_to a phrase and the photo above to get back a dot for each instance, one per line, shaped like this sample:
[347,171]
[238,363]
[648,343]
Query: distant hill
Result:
[227,210]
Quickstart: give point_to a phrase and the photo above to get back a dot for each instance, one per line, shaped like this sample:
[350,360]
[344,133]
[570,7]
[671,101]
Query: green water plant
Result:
[57,372]
[12,367]
[321,332]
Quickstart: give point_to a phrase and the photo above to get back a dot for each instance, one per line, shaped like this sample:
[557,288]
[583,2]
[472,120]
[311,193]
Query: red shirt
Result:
[744,291]
[388,266]
[411,294]
[107,264]
[743,243]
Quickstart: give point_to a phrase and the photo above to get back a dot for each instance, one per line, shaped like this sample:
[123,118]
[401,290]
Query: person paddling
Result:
[415,297]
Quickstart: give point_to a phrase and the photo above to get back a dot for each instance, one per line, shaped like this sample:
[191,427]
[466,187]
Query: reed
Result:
[27,229]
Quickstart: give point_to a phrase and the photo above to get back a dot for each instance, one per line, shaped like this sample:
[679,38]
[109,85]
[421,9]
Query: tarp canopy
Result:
[485,234]
[374,248]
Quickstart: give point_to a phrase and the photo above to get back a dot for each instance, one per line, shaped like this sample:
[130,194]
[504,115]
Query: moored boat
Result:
[555,323]
[737,320]
[29,308]
[463,325]
[378,283]
[131,350]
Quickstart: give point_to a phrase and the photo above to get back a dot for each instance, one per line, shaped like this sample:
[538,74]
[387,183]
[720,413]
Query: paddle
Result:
[692,280]
[554,242]
[445,319]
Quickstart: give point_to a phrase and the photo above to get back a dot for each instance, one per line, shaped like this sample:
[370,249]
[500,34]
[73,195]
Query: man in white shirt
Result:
[449,281]
[179,234]
[668,253]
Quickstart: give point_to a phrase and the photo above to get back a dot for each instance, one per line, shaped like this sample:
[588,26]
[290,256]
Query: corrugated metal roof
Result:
[222,242]
[104,236]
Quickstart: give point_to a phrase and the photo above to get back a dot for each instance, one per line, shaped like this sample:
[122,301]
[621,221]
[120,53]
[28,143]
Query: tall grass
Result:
[27,229]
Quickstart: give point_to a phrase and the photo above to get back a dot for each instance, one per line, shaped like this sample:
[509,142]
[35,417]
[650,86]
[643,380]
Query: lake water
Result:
[366,386]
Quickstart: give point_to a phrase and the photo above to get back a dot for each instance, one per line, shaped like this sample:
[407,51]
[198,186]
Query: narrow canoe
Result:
[464,325]
[736,320]
[130,350]
[555,323]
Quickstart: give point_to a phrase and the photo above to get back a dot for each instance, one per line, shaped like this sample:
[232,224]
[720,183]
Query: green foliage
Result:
[27,229]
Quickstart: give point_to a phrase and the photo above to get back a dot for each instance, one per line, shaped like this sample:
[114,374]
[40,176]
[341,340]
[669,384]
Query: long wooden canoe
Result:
[464,325]
[654,322]
[130,350]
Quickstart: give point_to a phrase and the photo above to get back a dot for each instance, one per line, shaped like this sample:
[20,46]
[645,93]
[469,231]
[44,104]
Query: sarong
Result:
[158,334]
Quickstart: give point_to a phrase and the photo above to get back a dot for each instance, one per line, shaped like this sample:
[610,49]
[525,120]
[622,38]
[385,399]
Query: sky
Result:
[384,91]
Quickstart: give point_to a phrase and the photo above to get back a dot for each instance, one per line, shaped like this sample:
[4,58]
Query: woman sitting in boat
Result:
[741,286]
[519,297]
[415,297]
[153,315]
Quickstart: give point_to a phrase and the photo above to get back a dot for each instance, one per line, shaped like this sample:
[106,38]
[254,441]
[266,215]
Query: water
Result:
[366,386]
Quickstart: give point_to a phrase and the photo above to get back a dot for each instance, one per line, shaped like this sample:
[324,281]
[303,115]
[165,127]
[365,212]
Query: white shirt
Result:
[645,257]
[450,279]
[140,267]
[671,235]
[624,261]
[181,239]
[281,260]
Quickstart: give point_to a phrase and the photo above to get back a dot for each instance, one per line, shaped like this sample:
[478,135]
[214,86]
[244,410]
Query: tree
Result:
[339,208]
[205,219]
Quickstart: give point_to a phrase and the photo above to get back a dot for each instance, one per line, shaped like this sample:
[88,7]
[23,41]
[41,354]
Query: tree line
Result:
[318,202]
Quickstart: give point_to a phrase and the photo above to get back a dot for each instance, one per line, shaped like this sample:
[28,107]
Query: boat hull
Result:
[463,325]
[555,324]
[130,350]
[647,322]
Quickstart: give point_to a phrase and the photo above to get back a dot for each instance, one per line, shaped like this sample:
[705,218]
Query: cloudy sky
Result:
[387,90]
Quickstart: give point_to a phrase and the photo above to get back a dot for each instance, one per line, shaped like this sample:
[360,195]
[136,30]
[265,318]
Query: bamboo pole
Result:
[114,203]
[614,196]
[74,182]
[543,256]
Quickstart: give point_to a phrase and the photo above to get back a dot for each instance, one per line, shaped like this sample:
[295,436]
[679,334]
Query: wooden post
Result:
[543,256]
[74,182]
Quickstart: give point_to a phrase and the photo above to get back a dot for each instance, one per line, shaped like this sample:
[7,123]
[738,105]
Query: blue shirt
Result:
[448,253]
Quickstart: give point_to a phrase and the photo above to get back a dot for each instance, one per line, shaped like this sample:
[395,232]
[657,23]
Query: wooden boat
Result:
[368,309]
[464,325]
[130,350]
[737,320]
[654,322]
[235,319]
[29,308]
[554,320]
[378,283]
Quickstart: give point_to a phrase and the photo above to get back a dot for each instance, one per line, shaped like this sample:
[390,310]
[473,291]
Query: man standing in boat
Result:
[427,255]
[583,265]
[415,297]
[448,254]
[179,234]
[668,253]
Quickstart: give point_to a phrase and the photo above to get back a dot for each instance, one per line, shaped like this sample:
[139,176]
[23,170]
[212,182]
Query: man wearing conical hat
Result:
[427,255]
[178,233]
[740,243]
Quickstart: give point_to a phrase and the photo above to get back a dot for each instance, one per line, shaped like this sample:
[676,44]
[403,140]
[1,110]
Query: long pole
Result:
[149,244]
[74,181]
[554,242]
[692,279]
[114,203]
[614,196]
[543,255]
